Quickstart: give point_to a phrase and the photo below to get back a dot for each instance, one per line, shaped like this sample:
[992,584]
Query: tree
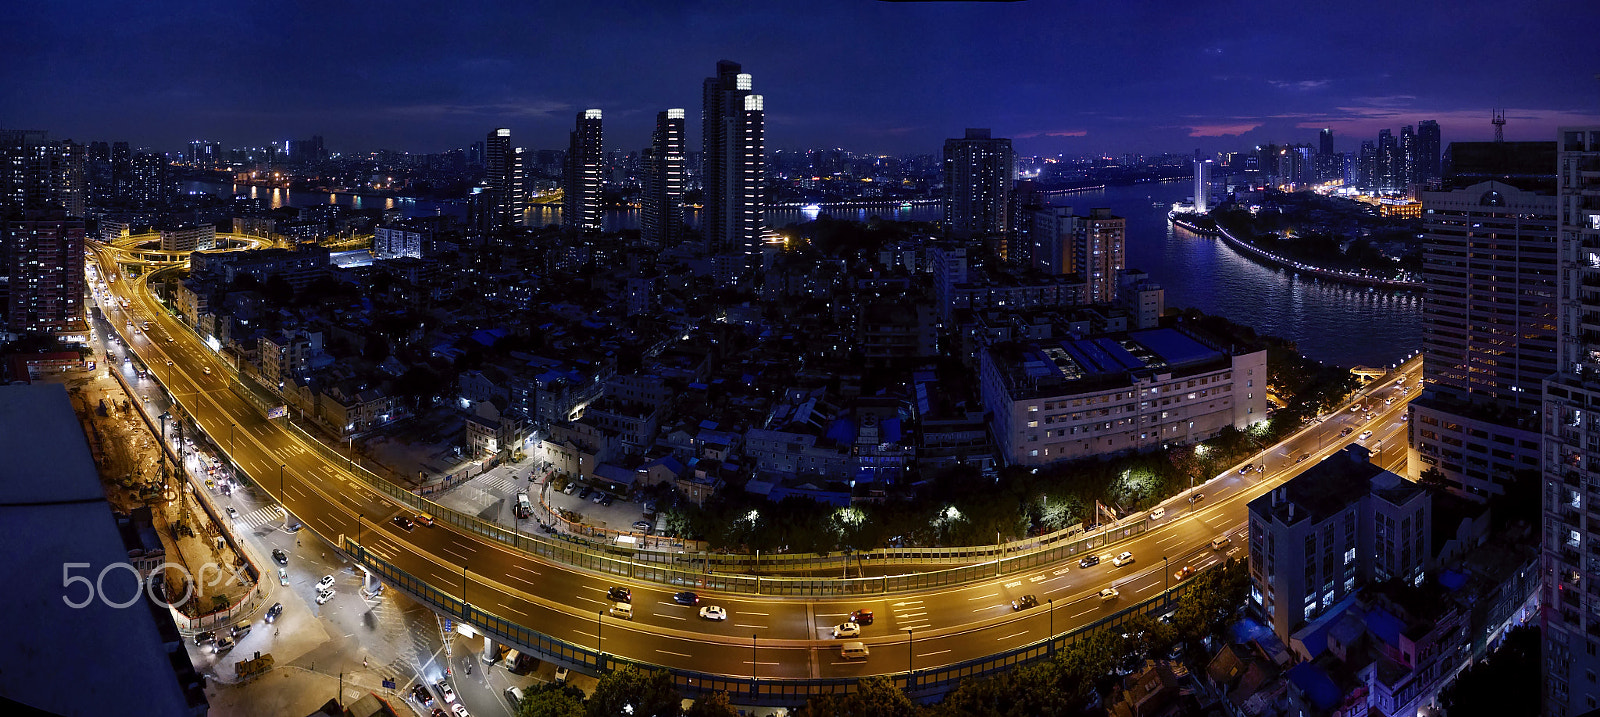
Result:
[552,700]
[713,705]
[634,692]
[876,696]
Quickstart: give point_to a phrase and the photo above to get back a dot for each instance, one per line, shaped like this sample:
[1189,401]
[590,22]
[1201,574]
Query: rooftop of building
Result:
[1330,486]
[1110,359]
[50,495]
[1529,166]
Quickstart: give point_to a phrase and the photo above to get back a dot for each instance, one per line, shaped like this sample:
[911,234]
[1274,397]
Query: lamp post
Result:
[754,690]
[911,653]
[360,523]
[1052,602]
[231,450]
[1166,577]
[463,584]
[598,640]
[282,466]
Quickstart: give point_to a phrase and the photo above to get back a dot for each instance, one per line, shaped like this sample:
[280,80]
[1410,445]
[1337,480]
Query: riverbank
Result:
[1270,259]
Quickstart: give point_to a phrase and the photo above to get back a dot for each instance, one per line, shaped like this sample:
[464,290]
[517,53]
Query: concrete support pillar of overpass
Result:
[490,650]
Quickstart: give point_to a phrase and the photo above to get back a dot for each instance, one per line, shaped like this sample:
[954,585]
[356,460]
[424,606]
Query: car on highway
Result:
[1123,559]
[1405,417]
[1024,602]
[1303,457]
[325,583]
[641,526]
[1356,408]
[686,598]
[169,362]
[616,594]
[280,556]
[621,610]
[404,523]
[1196,498]
[1089,561]
[206,370]
[283,576]
[1364,435]
[713,612]
[274,611]
[448,694]
[424,519]
[210,484]
[1388,400]
[325,595]
[848,629]
[1158,513]
[861,617]
[1222,542]
[1109,594]
[1183,573]
[1347,431]
[422,696]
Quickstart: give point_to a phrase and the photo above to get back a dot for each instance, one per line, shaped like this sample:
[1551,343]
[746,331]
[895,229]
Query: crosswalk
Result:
[496,483]
[261,516]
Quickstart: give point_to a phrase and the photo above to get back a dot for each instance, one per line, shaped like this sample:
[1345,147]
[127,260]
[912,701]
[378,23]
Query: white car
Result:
[325,583]
[234,514]
[713,612]
[848,629]
[460,710]
[1122,559]
[448,694]
[283,576]
[561,674]
[1364,435]
[1109,594]
[325,595]
[1158,513]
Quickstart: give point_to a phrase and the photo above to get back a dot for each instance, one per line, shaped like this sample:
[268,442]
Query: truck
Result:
[246,669]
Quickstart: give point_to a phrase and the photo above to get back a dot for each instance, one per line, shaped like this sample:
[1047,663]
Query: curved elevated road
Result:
[768,637]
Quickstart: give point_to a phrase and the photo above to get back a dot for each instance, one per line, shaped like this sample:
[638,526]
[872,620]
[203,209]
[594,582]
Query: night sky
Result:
[1058,76]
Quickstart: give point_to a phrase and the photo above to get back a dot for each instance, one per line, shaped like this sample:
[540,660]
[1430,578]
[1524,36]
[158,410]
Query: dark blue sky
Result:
[1056,75]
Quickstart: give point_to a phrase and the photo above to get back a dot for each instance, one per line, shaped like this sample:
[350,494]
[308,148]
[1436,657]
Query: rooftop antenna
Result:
[1499,123]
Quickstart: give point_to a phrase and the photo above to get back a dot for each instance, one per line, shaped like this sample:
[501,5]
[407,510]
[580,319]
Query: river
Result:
[1330,322]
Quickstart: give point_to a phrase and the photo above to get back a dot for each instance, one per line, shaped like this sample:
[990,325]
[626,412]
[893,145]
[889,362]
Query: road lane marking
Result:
[907,603]
[1014,584]
[1085,612]
[740,612]
[585,634]
[447,549]
[761,627]
[931,654]
[675,617]
[747,662]
[991,607]
[904,616]
[1035,578]
[1007,637]
[983,597]
[597,602]
[1060,572]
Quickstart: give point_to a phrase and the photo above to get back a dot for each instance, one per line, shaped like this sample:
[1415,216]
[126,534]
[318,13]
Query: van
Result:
[511,659]
[1220,543]
[1158,513]
[853,651]
[622,610]
[524,508]
[514,695]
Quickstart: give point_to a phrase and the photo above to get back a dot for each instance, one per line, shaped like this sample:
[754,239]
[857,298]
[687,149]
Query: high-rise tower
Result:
[733,129]
[44,257]
[977,182]
[1571,462]
[585,169]
[661,218]
[504,199]
[1202,186]
[1428,151]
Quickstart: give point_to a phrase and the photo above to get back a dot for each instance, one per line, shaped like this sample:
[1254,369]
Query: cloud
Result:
[1052,133]
[1299,85]
[1221,130]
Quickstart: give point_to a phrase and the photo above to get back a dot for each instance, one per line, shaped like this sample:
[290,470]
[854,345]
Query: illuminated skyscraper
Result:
[977,182]
[585,174]
[504,198]
[1428,151]
[1571,461]
[733,129]
[44,253]
[661,218]
[1202,186]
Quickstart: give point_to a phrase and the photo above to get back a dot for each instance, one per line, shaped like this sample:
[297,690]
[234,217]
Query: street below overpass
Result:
[768,637]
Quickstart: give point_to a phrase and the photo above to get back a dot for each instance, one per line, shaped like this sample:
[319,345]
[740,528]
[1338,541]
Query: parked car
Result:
[587,491]
[861,617]
[1124,559]
[1196,498]
[1089,561]
[561,674]
[641,526]
[616,594]
[448,694]
[280,556]
[1024,602]
[325,583]
[422,695]
[848,629]
[597,498]
[1158,513]
[460,710]
[608,500]
[686,598]
[324,596]
[713,612]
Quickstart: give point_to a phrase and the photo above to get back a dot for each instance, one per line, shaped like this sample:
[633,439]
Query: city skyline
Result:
[1126,82]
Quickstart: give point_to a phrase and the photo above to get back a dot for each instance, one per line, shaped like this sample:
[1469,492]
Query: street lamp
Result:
[754,690]
[463,584]
[1052,602]
[598,640]
[231,450]
[282,466]
[911,652]
[1166,577]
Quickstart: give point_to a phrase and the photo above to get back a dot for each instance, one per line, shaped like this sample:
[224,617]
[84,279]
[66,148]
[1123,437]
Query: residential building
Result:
[392,241]
[189,237]
[977,182]
[1052,235]
[299,266]
[504,195]
[151,181]
[661,216]
[1099,254]
[1427,168]
[1489,325]
[1571,461]
[1061,400]
[44,260]
[1341,524]
[585,168]
[733,171]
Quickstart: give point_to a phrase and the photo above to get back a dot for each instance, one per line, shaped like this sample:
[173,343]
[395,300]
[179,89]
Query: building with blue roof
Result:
[1072,398]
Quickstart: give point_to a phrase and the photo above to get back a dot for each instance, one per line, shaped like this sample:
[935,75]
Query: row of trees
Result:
[1068,684]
